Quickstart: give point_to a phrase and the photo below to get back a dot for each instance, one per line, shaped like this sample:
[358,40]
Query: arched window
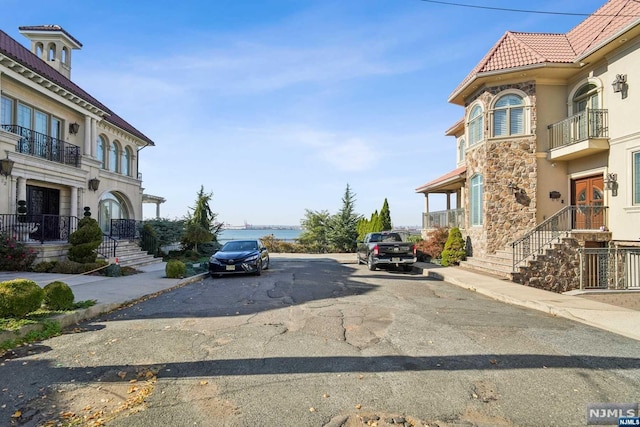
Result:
[100,154]
[476,125]
[126,162]
[461,148]
[508,116]
[476,200]
[65,56]
[51,53]
[586,97]
[39,50]
[111,206]
[114,156]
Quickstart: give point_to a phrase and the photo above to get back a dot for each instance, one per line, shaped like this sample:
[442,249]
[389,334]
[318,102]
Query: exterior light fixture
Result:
[74,127]
[6,166]
[94,183]
[610,181]
[620,83]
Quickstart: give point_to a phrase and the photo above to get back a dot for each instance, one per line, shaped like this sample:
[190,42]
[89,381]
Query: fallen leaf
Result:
[122,374]
[493,361]
[358,406]
[204,382]
[312,409]
[16,414]
[325,395]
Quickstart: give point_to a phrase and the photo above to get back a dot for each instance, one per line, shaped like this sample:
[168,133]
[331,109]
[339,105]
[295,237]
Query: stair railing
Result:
[534,241]
[108,247]
[582,217]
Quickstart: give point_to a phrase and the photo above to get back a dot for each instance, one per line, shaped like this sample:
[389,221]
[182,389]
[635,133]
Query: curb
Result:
[73,318]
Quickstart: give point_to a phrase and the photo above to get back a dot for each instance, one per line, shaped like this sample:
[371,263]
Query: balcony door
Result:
[588,198]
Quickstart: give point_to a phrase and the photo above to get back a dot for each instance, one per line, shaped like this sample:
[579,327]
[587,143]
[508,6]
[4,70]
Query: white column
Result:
[87,135]
[94,137]
[157,210]
[21,189]
[74,207]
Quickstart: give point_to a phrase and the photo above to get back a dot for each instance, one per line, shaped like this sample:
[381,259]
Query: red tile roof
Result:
[515,49]
[450,176]
[14,50]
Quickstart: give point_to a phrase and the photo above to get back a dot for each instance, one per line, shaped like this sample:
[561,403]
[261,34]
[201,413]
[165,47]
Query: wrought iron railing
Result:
[38,228]
[588,124]
[131,229]
[610,268]
[108,247]
[448,218]
[583,217]
[44,146]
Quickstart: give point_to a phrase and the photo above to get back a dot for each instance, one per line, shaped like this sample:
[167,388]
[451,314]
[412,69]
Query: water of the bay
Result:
[257,233]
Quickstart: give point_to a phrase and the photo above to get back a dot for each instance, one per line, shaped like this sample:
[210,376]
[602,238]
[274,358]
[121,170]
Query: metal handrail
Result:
[582,217]
[108,247]
[591,123]
[44,146]
[38,228]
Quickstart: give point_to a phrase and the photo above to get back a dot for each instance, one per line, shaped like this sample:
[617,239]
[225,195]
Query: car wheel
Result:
[266,267]
[370,263]
[258,268]
[358,261]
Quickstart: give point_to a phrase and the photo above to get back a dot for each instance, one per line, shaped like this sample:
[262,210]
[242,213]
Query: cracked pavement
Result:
[320,343]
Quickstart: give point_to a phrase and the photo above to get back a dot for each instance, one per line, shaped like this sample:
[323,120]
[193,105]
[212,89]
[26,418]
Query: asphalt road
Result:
[315,343]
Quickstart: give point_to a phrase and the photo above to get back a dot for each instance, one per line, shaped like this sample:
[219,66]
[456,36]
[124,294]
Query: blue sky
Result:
[274,106]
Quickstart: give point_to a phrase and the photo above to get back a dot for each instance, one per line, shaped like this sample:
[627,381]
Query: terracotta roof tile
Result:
[612,17]
[449,175]
[521,49]
[14,50]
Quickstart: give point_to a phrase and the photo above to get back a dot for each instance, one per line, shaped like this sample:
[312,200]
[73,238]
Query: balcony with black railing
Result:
[580,135]
[44,146]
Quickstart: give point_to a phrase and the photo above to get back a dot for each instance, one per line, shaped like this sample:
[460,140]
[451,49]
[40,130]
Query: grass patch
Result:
[42,317]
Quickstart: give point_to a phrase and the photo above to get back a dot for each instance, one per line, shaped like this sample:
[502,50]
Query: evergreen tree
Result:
[342,230]
[200,227]
[385,217]
[314,231]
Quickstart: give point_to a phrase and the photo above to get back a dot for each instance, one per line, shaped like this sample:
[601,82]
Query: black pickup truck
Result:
[386,248]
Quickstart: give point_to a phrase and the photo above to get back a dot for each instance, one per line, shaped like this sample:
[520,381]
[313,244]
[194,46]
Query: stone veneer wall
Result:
[558,270]
[502,161]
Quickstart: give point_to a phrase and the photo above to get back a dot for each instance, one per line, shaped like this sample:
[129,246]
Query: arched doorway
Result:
[112,206]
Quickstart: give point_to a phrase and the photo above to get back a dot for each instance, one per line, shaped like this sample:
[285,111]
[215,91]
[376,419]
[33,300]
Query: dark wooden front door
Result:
[43,207]
[588,197]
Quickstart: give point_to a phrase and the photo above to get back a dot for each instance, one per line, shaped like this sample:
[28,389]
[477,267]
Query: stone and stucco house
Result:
[549,144]
[61,150]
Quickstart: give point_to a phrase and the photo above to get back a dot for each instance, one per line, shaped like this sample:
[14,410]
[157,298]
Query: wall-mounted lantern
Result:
[74,128]
[610,181]
[6,166]
[514,188]
[620,85]
[94,183]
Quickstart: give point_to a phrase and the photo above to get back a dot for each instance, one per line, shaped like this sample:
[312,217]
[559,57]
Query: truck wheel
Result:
[358,258]
[407,267]
[370,263]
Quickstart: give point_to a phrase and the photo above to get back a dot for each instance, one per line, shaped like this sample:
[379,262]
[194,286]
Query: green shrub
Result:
[18,297]
[15,255]
[454,249]
[175,269]
[58,296]
[113,270]
[84,241]
[72,267]
[433,245]
[44,267]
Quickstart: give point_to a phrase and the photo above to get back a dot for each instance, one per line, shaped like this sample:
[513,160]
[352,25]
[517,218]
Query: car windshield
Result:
[240,246]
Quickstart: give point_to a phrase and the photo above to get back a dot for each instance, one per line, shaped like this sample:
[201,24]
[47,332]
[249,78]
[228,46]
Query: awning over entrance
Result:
[447,183]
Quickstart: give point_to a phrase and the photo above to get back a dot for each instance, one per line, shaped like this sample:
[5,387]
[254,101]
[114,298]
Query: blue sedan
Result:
[239,256]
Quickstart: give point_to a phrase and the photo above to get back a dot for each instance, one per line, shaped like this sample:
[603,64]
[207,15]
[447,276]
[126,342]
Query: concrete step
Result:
[496,266]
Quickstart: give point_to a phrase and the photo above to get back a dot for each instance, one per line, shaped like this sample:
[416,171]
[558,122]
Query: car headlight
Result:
[214,260]
[251,258]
